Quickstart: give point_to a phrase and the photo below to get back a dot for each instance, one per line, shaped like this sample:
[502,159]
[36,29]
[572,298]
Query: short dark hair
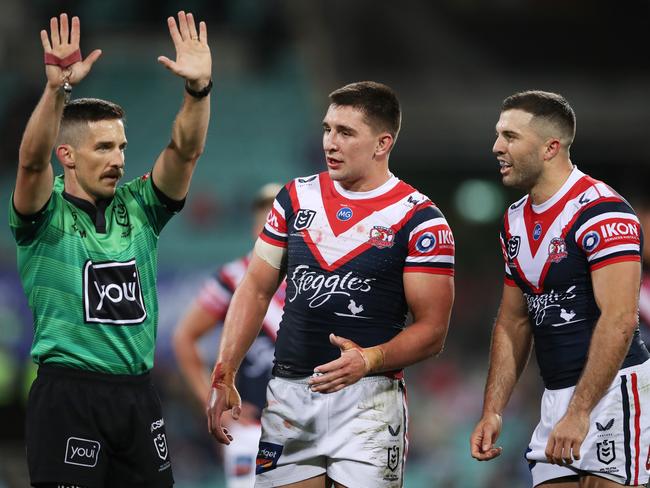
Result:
[83,110]
[377,101]
[546,105]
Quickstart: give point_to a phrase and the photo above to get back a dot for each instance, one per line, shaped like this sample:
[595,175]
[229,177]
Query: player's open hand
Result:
[193,58]
[62,42]
[344,371]
[485,434]
[563,446]
[223,397]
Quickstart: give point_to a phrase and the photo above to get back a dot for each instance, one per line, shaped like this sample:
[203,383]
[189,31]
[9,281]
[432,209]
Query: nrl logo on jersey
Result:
[513,247]
[112,293]
[304,218]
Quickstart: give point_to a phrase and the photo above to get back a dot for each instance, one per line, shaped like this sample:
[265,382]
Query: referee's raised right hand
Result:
[64,40]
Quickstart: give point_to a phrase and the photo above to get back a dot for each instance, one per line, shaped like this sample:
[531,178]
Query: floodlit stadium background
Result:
[275,61]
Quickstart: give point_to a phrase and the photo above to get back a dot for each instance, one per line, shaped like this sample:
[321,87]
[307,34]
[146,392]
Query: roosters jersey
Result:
[255,370]
[346,255]
[550,251]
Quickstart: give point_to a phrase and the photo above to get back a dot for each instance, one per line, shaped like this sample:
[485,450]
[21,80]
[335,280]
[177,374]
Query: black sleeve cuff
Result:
[31,217]
[170,204]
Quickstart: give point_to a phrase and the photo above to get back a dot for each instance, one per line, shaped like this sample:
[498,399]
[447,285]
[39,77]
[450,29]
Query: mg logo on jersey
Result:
[606,451]
[81,452]
[112,293]
[304,218]
[344,214]
[513,247]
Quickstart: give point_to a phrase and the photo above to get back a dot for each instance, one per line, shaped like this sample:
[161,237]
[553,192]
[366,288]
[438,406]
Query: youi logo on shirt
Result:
[112,293]
[319,288]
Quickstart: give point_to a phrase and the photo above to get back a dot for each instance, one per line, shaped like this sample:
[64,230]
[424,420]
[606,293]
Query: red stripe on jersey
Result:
[509,281]
[423,269]
[615,259]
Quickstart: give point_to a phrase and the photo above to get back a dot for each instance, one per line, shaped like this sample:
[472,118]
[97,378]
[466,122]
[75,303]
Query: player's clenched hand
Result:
[355,363]
[223,396]
[485,434]
[563,446]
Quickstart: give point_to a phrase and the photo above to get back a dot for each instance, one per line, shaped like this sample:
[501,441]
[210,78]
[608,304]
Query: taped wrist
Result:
[373,357]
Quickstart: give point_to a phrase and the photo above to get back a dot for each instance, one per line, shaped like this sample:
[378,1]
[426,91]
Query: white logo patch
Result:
[112,293]
[81,452]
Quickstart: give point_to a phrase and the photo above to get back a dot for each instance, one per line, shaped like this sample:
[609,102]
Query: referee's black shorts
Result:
[96,430]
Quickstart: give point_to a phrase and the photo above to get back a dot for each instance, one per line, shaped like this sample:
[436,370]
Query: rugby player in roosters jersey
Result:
[359,248]
[572,251]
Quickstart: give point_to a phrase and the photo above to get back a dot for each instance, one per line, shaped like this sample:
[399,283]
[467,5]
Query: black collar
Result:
[95,212]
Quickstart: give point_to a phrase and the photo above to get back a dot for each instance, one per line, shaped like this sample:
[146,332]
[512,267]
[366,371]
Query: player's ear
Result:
[384,144]
[551,148]
[65,155]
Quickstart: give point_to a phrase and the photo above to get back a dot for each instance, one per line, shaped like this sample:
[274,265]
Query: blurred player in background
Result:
[87,257]
[572,250]
[359,248]
[206,312]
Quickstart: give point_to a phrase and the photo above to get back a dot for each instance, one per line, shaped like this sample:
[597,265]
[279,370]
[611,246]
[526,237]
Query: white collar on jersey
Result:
[574,176]
[360,195]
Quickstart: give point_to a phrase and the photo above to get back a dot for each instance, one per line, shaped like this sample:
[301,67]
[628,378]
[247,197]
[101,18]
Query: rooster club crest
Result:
[382,237]
[513,247]
[557,250]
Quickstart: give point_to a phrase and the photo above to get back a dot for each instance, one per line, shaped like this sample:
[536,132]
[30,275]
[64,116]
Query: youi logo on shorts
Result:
[319,288]
[112,293]
[82,452]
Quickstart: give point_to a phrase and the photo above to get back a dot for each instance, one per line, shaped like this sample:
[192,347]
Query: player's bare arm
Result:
[616,289]
[509,353]
[173,169]
[430,298]
[193,325]
[243,323]
[35,177]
